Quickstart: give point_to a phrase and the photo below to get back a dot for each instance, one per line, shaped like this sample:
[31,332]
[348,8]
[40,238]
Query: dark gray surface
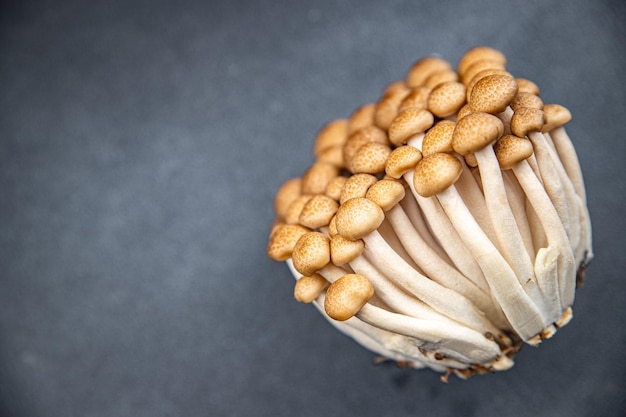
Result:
[141,145]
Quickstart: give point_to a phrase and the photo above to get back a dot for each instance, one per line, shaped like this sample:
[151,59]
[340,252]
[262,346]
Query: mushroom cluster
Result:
[445,225]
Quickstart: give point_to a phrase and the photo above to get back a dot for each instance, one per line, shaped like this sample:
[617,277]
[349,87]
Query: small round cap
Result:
[361,117]
[387,107]
[401,160]
[343,251]
[480,53]
[556,116]
[309,288]
[511,150]
[358,217]
[333,189]
[493,93]
[283,240]
[318,211]
[446,99]
[370,158]
[386,193]
[424,68]
[356,186]
[286,194]
[440,77]
[311,253]
[359,138]
[476,131]
[418,98]
[523,99]
[316,178]
[334,133]
[347,295]
[438,138]
[527,86]
[409,123]
[435,173]
[526,120]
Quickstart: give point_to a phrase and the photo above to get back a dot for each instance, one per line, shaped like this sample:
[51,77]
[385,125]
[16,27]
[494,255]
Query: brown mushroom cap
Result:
[370,158]
[527,86]
[446,99]
[361,117]
[480,66]
[482,74]
[346,296]
[493,93]
[463,111]
[332,156]
[526,120]
[334,133]
[510,150]
[556,116]
[440,77]
[309,288]
[418,98]
[480,53]
[292,215]
[387,107]
[424,68]
[358,217]
[311,253]
[395,87]
[409,123]
[318,211]
[386,193]
[283,240]
[401,160]
[356,186]
[476,131]
[317,177]
[435,173]
[333,189]
[438,138]
[524,99]
[343,251]
[286,194]
[359,138]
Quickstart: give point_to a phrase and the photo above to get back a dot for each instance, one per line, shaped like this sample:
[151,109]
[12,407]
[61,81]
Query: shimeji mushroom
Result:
[445,224]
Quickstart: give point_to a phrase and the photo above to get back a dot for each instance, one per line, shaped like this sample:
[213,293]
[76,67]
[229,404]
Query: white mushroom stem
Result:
[578,231]
[569,158]
[518,307]
[510,239]
[413,211]
[438,270]
[349,296]
[381,340]
[457,342]
[449,239]
[398,300]
[390,345]
[395,346]
[552,182]
[517,201]
[443,300]
[471,192]
[554,230]
[443,230]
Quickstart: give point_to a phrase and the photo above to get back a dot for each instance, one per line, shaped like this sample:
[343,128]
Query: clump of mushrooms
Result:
[445,225]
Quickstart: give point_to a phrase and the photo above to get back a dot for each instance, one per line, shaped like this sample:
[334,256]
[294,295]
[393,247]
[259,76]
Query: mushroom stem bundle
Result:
[444,225]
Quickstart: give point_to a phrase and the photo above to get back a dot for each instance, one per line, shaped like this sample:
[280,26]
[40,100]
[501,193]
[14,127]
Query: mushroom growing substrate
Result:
[445,225]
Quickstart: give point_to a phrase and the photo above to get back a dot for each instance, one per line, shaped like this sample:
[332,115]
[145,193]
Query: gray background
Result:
[141,145]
